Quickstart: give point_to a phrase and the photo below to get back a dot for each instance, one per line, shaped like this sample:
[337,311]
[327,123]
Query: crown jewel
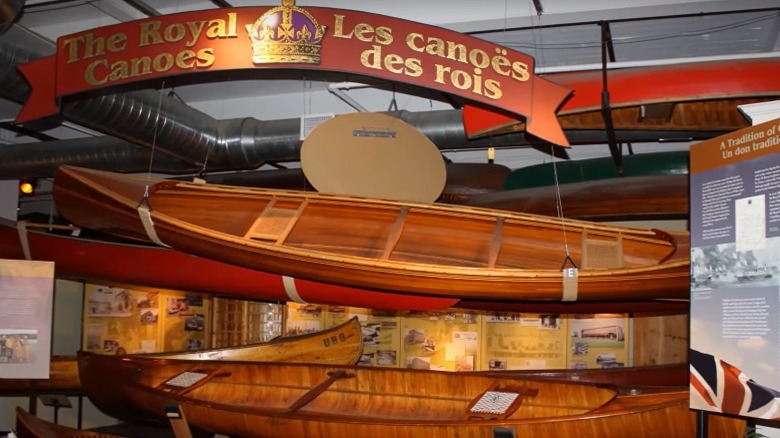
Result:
[286,33]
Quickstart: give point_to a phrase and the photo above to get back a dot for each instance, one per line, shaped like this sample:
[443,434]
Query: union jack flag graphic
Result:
[718,386]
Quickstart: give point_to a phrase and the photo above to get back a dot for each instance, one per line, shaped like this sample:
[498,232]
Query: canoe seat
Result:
[498,402]
[601,254]
[275,222]
[185,382]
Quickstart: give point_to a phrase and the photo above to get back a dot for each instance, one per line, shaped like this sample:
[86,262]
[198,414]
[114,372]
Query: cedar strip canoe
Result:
[341,344]
[427,249]
[242,399]
[92,259]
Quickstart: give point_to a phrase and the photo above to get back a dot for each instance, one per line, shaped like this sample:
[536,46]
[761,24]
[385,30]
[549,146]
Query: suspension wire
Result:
[559,209]
[145,198]
[537,33]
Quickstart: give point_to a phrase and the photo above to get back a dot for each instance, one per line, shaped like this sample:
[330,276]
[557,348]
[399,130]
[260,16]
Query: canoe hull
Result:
[657,197]
[262,401]
[432,233]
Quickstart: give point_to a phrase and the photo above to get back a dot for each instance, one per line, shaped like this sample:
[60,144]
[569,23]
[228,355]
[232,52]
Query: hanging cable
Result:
[393,104]
[559,210]
[569,276]
[145,198]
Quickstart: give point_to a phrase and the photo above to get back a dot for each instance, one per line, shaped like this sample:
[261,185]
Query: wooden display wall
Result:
[458,340]
[122,319]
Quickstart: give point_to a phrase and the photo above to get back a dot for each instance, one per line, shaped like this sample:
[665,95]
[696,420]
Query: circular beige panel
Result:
[373,155]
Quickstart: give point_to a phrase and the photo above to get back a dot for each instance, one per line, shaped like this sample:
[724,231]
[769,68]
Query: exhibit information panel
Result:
[26,306]
[735,267]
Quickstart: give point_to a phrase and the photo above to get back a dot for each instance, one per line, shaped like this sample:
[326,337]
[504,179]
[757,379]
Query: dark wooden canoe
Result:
[95,260]
[435,250]
[300,400]
[654,197]
[30,426]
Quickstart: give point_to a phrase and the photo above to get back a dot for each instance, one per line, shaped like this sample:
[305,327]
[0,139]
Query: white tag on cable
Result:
[569,284]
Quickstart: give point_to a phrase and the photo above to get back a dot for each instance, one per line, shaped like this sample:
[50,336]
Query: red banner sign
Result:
[287,36]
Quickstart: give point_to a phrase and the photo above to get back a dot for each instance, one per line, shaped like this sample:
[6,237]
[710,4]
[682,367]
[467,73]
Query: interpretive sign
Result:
[26,306]
[735,273]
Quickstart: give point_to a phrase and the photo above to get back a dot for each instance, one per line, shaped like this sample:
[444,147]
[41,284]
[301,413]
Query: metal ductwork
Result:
[185,137]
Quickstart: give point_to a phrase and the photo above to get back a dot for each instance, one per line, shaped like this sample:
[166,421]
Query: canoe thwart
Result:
[314,392]
[499,403]
[185,382]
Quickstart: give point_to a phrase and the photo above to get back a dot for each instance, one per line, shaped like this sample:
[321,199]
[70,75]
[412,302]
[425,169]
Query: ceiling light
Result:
[27,186]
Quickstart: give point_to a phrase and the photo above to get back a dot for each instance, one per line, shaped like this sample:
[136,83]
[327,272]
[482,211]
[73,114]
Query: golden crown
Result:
[286,33]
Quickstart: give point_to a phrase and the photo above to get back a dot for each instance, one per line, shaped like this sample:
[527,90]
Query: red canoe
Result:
[94,260]
[691,96]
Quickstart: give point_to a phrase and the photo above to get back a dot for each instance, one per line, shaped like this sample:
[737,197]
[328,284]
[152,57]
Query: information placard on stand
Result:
[735,273]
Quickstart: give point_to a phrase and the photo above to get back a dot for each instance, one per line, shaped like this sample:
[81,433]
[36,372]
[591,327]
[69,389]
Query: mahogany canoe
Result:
[92,259]
[655,197]
[341,344]
[240,399]
[427,249]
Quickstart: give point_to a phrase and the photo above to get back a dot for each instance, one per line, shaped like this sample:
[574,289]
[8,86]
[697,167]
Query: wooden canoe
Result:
[341,344]
[92,259]
[435,250]
[654,197]
[240,399]
[30,426]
